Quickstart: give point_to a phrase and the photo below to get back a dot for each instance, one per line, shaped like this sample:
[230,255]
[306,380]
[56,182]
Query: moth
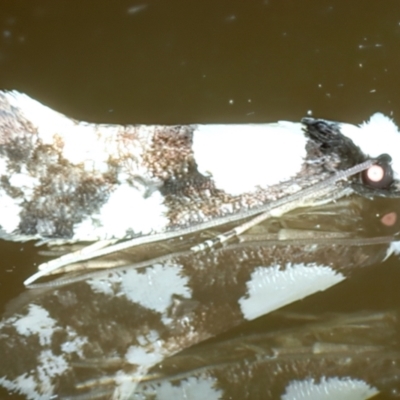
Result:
[68,181]
[324,196]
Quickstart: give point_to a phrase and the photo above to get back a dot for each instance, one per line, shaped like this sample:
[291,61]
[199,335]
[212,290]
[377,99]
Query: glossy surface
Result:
[226,62]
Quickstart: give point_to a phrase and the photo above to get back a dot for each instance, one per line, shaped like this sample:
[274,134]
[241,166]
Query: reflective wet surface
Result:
[179,62]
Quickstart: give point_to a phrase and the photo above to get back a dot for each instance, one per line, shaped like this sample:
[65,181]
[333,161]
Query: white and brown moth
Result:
[97,335]
[77,181]
[64,180]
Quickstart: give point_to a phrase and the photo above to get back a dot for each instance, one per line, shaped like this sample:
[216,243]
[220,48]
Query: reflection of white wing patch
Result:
[152,288]
[149,352]
[394,248]
[329,389]
[193,388]
[26,385]
[49,367]
[37,322]
[273,287]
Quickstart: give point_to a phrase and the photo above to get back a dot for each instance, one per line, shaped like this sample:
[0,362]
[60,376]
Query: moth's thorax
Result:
[61,178]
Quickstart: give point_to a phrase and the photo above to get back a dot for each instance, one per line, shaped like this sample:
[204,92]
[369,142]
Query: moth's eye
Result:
[379,175]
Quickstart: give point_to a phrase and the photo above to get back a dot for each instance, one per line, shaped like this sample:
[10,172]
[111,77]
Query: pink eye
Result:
[380,175]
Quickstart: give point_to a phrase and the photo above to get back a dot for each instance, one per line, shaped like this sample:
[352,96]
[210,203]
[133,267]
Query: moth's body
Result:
[63,179]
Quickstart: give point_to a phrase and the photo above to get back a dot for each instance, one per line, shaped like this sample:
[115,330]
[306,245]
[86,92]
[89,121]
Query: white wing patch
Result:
[242,157]
[272,287]
[47,120]
[10,210]
[329,389]
[80,139]
[126,208]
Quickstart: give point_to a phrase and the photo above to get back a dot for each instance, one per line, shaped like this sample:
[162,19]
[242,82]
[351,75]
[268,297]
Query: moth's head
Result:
[379,137]
[345,145]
